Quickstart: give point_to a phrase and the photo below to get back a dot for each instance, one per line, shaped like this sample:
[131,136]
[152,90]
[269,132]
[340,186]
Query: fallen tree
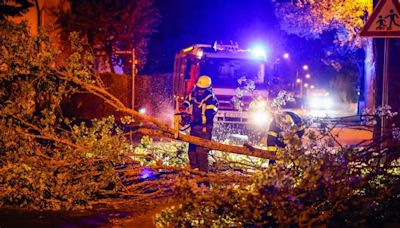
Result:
[47,162]
[50,162]
[96,87]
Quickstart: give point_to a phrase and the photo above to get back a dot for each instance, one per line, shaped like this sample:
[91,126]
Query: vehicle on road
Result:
[229,67]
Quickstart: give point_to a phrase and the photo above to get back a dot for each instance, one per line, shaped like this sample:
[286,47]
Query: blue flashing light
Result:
[259,51]
[147,173]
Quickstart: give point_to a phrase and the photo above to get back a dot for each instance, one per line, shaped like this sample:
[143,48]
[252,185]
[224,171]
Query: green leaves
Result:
[310,20]
[312,182]
[47,161]
[13,9]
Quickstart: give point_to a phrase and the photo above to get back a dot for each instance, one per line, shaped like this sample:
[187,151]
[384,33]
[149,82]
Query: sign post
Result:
[384,22]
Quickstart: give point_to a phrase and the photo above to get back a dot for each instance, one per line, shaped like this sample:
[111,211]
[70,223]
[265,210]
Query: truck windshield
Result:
[226,72]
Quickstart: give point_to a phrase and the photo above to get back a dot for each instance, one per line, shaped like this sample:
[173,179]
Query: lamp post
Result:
[300,79]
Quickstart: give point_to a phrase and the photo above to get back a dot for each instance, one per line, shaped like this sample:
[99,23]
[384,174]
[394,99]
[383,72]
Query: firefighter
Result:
[204,106]
[286,119]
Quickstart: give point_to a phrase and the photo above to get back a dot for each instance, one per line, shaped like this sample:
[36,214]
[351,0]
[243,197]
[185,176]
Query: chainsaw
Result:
[182,119]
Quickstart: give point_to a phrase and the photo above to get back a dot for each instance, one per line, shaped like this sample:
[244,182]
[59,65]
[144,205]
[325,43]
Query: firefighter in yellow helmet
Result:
[285,119]
[204,106]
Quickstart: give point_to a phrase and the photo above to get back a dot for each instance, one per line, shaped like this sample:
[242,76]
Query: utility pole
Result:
[134,62]
[299,80]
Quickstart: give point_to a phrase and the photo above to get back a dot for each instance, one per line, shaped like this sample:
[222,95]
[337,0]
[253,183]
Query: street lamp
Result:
[286,55]
[301,78]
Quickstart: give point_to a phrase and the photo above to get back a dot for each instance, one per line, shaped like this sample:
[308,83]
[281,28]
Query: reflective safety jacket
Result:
[204,105]
[275,139]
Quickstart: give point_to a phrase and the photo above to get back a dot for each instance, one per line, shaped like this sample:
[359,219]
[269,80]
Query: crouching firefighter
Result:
[288,121]
[204,106]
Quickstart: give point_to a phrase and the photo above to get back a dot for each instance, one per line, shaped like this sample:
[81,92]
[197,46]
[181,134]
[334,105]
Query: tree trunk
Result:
[163,129]
[369,76]
[250,151]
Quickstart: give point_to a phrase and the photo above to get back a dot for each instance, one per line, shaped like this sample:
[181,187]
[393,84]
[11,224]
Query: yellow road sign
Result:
[384,21]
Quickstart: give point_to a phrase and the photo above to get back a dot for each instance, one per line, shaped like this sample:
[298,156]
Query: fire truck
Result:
[226,65]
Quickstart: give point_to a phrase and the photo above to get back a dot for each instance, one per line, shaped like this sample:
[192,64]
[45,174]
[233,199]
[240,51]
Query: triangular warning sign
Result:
[384,21]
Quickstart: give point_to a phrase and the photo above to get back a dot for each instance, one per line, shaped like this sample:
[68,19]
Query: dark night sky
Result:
[186,22]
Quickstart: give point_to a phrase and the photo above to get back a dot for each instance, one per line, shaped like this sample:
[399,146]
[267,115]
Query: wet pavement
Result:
[128,214]
[64,219]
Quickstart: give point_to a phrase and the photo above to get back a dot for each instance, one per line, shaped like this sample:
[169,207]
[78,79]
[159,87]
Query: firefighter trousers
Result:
[198,156]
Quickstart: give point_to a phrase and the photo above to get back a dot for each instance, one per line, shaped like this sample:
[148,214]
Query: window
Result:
[226,72]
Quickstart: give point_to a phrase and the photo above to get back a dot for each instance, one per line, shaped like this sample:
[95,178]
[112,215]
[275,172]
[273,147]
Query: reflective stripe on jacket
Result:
[204,106]
[275,138]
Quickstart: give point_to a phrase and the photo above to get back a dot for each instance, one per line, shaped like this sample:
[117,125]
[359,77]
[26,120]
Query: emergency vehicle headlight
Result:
[258,105]
[199,54]
[320,102]
[260,118]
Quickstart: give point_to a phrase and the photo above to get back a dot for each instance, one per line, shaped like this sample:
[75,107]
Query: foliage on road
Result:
[50,162]
[46,160]
[315,181]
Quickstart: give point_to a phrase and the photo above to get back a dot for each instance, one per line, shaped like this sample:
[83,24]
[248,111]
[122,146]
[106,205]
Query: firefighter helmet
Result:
[203,82]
